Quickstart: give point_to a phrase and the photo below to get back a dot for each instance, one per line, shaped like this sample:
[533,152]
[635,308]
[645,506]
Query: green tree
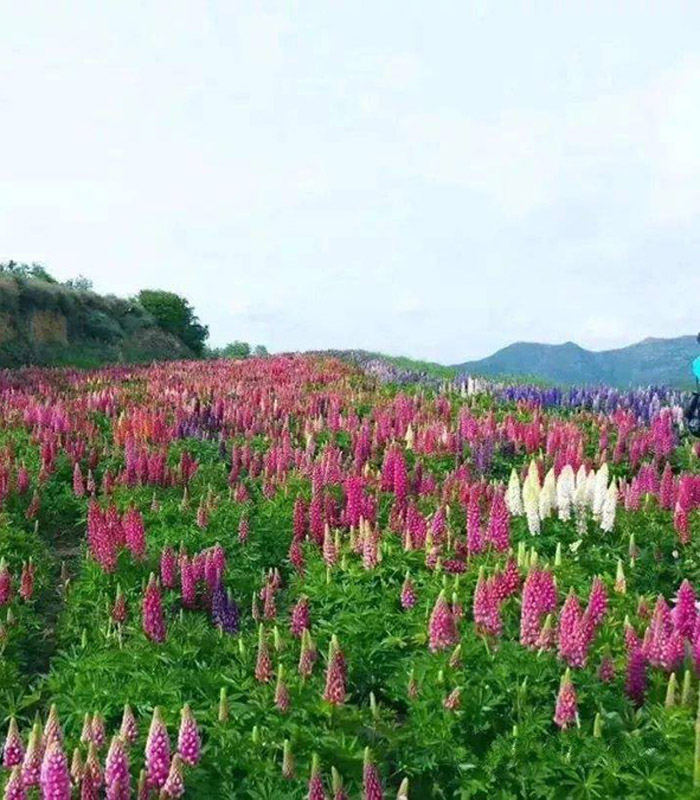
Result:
[235,350]
[175,315]
[260,350]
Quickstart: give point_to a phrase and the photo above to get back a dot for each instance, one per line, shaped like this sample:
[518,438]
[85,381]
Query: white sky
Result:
[436,179]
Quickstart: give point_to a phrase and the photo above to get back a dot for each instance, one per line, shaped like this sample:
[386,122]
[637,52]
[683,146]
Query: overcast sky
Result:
[435,179]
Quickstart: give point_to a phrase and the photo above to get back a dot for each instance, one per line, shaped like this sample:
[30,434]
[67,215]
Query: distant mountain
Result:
[652,361]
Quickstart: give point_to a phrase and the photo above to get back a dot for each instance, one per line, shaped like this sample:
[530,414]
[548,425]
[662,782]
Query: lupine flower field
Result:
[290,577]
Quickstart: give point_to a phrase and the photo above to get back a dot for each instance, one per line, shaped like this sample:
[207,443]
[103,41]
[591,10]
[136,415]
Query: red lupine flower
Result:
[566,711]
[335,690]
[153,619]
[134,533]
[157,751]
[93,770]
[13,750]
[371,780]
[189,744]
[442,631]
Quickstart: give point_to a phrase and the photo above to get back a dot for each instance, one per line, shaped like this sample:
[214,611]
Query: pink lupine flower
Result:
[339,792]
[371,780]
[31,765]
[157,751]
[13,750]
[308,655]
[5,583]
[606,670]
[52,729]
[119,609]
[453,700]
[475,541]
[499,523]
[77,768]
[316,790]
[330,554]
[243,530]
[86,733]
[117,776]
[635,682]
[539,598]
[14,788]
[153,619]
[129,729]
[287,761]
[370,549]
[22,479]
[93,769]
[55,775]
[26,587]
[442,631]
[281,692]
[78,484]
[597,602]
[566,711]
[188,581]
[412,688]
[573,644]
[408,593]
[97,731]
[335,690]
[174,786]
[300,620]
[263,664]
[487,613]
[684,613]
[296,556]
[189,744]
[168,567]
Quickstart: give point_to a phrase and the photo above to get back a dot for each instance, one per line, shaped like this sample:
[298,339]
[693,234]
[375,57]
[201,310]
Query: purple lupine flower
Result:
[224,610]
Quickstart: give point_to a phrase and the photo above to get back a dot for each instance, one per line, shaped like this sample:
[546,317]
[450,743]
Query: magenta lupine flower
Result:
[119,609]
[157,751]
[263,664]
[499,523]
[335,690]
[135,533]
[330,554]
[442,631]
[267,594]
[636,678]
[13,750]
[5,583]
[93,769]
[308,655]
[658,633]
[31,766]
[22,479]
[566,711]
[339,792]
[684,613]
[129,729]
[371,780]
[408,593]
[168,567]
[539,598]
[174,786]
[189,744]
[281,692]
[55,775]
[78,483]
[370,549]
[88,790]
[296,556]
[188,582]
[597,602]
[667,488]
[14,788]
[117,775]
[300,620]
[573,645]
[153,619]
[316,790]
[475,541]
[509,581]
[453,700]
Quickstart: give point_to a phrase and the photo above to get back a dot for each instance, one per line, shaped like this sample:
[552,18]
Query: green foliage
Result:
[175,315]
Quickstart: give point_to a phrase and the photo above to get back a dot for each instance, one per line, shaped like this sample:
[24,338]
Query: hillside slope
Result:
[53,324]
[651,361]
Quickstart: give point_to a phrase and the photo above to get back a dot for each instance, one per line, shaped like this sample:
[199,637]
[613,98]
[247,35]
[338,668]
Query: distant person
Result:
[692,410]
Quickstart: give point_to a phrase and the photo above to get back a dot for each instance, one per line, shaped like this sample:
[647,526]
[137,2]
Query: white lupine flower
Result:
[607,516]
[601,487]
[566,486]
[581,476]
[531,497]
[533,474]
[514,498]
[590,488]
[548,495]
[409,437]
[580,506]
